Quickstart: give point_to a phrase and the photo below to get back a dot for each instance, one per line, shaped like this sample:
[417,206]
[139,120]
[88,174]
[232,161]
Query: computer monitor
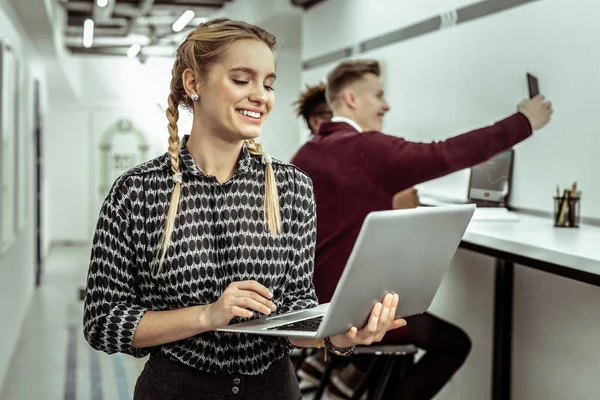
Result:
[490,181]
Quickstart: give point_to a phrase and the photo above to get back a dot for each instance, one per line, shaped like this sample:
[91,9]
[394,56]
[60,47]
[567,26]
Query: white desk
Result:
[536,238]
[532,242]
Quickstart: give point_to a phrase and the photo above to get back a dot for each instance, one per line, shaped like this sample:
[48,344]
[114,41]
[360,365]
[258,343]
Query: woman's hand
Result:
[238,300]
[380,322]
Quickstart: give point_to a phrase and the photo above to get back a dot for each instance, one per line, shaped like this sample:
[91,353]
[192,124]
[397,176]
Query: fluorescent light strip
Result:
[182,21]
[88,33]
[134,50]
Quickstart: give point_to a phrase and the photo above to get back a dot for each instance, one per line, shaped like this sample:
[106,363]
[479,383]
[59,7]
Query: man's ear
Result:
[312,124]
[350,99]
[190,82]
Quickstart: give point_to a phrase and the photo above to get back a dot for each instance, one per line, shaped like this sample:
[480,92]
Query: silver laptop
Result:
[489,189]
[398,251]
[489,183]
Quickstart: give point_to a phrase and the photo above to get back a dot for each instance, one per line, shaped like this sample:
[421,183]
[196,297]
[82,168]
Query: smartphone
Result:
[532,82]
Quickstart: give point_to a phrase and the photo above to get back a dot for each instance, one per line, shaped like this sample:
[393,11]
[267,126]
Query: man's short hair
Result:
[309,100]
[346,73]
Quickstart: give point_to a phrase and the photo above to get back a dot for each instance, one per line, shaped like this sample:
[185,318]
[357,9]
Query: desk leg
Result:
[503,312]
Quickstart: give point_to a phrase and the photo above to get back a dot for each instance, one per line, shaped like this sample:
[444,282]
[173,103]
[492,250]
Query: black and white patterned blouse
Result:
[219,237]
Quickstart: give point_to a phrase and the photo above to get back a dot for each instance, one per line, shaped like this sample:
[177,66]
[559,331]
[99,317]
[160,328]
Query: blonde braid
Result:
[272,214]
[172,116]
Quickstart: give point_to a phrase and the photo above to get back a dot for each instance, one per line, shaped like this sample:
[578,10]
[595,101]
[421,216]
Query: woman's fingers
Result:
[385,312]
[241,312]
[250,295]
[398,323]
[373,319]
[251,304]
[394,306]
[256,297]
[352,332]
[254,287]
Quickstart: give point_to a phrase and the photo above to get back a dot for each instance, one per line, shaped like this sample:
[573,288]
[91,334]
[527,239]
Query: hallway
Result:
[53,360]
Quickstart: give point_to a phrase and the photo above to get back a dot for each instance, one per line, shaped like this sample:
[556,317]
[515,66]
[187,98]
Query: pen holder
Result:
[566,211]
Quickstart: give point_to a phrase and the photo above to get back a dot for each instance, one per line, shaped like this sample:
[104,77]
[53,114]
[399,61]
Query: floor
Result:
[52,360]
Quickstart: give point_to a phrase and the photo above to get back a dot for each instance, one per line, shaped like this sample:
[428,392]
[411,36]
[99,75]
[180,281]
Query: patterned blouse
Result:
[219,237]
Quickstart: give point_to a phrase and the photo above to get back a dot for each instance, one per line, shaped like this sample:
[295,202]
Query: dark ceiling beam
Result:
[180,8]
[132,11]
[155,33]
[80,6]
[99,31]
[74,21]
[120,51]
[144,8]
[305,4]
[192,3]
[103,14]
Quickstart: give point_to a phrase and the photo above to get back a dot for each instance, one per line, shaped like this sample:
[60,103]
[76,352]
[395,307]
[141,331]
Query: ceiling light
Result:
[102,3]
[182,21]
[88,33]
[134,50]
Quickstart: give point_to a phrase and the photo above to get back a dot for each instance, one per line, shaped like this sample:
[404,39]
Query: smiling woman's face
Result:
[237,96]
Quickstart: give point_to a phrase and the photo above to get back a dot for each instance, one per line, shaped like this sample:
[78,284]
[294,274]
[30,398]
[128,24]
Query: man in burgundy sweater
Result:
[356,169]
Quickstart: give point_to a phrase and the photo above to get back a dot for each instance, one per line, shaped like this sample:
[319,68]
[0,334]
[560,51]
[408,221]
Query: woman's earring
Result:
[194,97]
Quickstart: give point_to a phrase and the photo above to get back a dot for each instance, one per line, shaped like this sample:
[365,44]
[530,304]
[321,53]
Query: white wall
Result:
[472,310]
[17,269]
[66,166]
[112,88]
[555,338]
[147,119]
[450,81]
[280,134]
[357,20]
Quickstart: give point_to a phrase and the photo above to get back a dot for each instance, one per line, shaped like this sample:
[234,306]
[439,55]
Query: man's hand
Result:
[408,198]
[537,111]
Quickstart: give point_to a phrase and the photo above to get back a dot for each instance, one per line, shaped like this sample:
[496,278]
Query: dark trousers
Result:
[446,345]
[164,379]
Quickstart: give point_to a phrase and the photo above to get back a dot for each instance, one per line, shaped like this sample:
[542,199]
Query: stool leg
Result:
[365,381]
[325,380]
[303,354]
[385,378]
[405,363]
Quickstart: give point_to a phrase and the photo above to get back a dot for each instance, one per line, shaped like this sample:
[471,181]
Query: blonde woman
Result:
[213,232]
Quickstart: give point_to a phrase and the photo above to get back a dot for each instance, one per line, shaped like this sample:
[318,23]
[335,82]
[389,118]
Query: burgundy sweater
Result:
[355,173]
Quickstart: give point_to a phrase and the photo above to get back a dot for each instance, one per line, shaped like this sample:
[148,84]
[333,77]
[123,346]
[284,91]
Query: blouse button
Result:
[237,381]
[235,390]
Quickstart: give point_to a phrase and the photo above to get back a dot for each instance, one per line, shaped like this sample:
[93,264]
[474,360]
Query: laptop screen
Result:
[490,180]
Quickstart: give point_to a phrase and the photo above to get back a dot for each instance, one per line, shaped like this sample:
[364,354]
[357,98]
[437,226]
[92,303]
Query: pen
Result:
[562,210]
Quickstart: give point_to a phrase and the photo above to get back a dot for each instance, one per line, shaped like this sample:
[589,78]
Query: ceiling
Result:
[121,23]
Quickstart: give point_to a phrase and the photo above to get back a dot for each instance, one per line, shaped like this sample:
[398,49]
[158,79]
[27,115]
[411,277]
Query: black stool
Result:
[377,376]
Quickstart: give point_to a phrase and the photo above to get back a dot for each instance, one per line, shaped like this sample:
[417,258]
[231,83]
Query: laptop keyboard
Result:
[308,325]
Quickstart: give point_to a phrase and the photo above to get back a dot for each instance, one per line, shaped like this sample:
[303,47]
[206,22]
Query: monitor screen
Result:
[490,180]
